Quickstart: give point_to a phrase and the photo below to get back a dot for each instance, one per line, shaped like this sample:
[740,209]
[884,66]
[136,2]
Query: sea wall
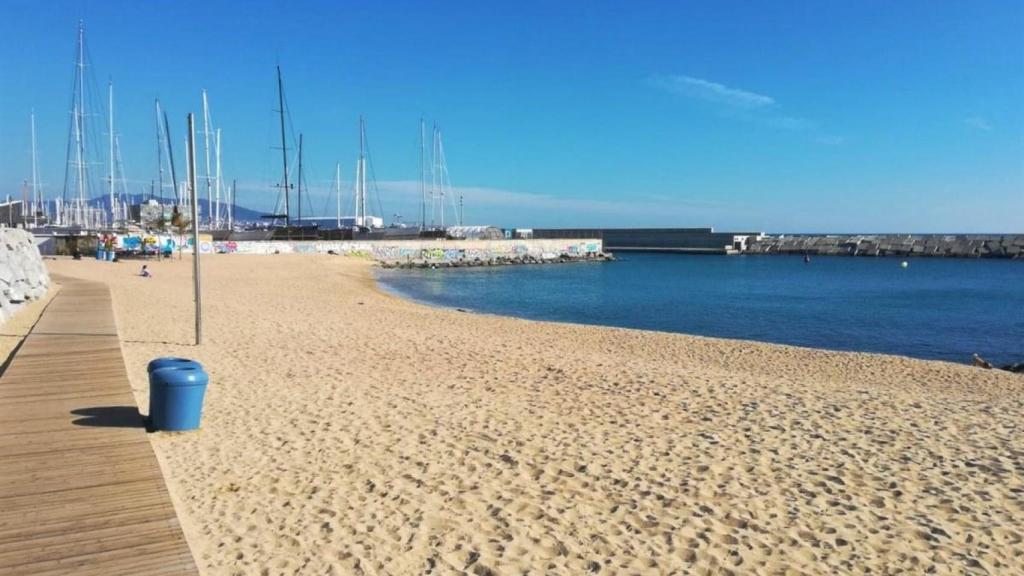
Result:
[931,245]
[428,251]
[23,276]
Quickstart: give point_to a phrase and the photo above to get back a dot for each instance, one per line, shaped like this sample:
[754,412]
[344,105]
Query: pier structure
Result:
[681,240]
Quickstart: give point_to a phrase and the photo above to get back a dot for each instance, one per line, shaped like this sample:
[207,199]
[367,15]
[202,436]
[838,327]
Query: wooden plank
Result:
[19,509]
[81,491]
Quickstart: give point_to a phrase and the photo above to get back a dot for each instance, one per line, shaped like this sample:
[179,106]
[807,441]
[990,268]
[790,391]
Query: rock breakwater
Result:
[500,261]
[907,245]
[23,276]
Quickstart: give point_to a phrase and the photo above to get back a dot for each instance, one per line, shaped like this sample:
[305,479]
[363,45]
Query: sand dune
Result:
[350,432]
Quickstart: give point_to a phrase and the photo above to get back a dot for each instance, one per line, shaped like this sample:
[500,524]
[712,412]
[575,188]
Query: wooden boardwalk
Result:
[80,488]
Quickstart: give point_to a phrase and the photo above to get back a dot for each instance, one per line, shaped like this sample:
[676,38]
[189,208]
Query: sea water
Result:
[945,309]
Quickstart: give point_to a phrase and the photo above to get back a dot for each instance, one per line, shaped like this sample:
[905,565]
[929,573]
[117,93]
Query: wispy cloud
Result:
[712,91]
[828,140]
[978,123]
[743,104]
[508,198]
[504,207]
[790,123]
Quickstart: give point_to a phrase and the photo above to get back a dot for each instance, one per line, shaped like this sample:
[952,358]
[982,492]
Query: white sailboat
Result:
[441,184]
[363,183]
[74,204]
[215,216]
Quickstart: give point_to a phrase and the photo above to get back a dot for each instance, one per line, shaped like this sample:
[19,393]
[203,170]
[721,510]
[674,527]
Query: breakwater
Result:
[23,276]
[906,245]
[425,252]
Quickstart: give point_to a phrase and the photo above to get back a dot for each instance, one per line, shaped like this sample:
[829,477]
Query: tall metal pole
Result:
[231,205]
[337,191]
[190,170]
[197,291]
[284,149]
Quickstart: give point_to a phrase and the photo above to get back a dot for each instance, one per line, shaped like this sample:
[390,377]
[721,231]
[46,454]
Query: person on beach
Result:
[145,273]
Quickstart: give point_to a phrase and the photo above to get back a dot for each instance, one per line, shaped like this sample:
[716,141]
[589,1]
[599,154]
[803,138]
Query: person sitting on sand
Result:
[145,272]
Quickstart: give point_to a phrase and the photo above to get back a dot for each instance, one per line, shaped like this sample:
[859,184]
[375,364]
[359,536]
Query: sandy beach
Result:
[348,431]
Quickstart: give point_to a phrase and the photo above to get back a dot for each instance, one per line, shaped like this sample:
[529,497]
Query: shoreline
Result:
[348,429]
[382,274]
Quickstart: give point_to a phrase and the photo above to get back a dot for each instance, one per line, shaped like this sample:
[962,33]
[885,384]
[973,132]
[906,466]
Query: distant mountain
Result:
[241,213]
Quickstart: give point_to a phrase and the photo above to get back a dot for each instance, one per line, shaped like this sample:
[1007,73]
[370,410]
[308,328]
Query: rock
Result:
[22,273]
[980,362]
[1016,368]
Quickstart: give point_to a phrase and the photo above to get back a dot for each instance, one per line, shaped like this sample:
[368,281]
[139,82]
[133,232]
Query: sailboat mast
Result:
[423,176]
[79,118]
[36,196]
[206,151]
[361,199]
[439,158]
[433,174]
[231,205]
[300,179]
[337,191]
[120,215]
[445,181]
[110,129]
[24,203]
[284,149]
[159,153]
[170,156]
[216,203]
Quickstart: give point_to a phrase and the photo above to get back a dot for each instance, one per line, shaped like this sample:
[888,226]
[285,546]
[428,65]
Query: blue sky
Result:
[785,117]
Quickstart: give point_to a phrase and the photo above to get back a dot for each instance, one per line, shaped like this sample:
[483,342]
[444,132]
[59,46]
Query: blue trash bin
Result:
[172,362]
[176,396]
[164,362]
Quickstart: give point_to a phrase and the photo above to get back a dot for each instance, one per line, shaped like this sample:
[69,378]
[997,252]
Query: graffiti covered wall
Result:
[416,250]
[149,243]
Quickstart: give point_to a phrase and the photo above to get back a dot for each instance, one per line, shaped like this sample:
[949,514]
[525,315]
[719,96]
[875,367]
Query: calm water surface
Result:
[942,309]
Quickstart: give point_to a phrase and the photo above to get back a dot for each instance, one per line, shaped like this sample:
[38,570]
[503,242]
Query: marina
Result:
[312,288]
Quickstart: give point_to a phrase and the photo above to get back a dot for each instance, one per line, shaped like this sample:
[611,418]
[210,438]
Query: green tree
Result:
[180,222]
